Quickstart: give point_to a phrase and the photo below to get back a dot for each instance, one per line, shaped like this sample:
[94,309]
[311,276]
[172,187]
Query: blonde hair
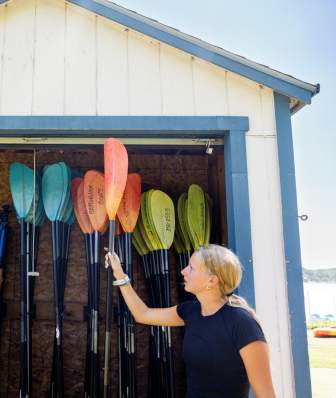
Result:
[223,263]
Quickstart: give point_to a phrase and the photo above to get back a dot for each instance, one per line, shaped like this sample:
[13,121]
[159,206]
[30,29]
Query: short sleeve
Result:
[185,309]
[247,330]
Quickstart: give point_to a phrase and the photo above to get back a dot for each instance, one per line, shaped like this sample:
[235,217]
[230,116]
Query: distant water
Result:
[320,298]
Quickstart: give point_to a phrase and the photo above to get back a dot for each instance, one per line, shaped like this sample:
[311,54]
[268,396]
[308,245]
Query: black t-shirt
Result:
[211,350]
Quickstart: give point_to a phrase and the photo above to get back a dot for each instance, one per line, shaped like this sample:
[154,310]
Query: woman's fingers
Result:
[112,260]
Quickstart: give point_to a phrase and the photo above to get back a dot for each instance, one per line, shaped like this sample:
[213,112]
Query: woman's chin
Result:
[186,288]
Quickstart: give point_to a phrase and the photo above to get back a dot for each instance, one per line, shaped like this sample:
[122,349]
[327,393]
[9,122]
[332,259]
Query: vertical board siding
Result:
[244,97]
[176,82]
[66,60]
[209,89]
[48,79]
[18,58]
[112,69]
[269,272]
[80,62]
[267,111]
[144,76]
[2,40]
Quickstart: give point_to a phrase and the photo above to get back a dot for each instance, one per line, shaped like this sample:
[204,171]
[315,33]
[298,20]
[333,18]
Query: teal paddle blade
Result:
[62,214]
[32,215]
[76,173]
[53,190]
[72,218]
[21,182]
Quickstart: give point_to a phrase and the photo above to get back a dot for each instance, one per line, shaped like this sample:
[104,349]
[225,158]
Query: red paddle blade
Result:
[94,199]
[129,207]
[77,196]
[115,167]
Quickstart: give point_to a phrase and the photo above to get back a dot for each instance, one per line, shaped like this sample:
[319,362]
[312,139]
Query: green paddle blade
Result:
[53,190]
[150,233]
[208,219]
[21,183]
[181,225]
[162,214]
[196,213]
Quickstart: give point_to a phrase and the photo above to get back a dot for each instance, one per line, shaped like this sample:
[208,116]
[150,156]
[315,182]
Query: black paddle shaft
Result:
[58,330]
[23,313]
[109,312]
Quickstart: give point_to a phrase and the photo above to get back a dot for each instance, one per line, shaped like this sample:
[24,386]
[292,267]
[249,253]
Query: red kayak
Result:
[325,332]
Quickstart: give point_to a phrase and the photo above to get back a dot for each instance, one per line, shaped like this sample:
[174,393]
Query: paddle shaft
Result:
[108,313]
[59,385]
[23,313]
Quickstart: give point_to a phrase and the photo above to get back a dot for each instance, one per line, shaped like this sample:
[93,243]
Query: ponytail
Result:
[239,302]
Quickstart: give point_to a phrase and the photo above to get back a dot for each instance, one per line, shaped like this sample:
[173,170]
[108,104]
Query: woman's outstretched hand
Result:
[113,261]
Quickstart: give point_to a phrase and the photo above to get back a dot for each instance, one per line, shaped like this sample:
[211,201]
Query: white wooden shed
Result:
[74,72]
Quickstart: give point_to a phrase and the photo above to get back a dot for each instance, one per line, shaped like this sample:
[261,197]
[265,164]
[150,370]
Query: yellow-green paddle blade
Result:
[163,217]
[178,245]
[208,218]
[182,217]
[196,212]
[149,214]
[138,248]
[190,231]
[147,230]
[136,235]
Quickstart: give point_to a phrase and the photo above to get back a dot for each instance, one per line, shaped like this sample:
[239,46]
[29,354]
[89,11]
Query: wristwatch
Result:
[121,282]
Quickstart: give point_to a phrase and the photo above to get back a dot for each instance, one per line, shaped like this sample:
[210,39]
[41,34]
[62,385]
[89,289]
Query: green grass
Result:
[322,351]
[320,324]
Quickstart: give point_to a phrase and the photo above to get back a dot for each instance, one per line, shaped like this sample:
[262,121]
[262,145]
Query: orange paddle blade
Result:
[94,199]
[129,207]
[115,168]
[77,196]
[118,228]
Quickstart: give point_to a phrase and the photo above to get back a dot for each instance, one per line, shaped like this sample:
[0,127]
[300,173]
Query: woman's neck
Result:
[211,303]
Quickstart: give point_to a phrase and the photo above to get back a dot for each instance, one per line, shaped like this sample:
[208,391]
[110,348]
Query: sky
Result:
[294,37]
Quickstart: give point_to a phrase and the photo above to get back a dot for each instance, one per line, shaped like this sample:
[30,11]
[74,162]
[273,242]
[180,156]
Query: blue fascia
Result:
[292,247]
[130,126]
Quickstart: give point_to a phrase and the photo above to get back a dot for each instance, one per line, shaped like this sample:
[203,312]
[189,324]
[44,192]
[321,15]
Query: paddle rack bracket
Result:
[31,273]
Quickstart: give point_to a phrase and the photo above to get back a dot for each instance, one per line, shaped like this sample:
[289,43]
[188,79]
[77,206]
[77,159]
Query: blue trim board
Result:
[238,208]
[231,128]
[292,247]
[130,126]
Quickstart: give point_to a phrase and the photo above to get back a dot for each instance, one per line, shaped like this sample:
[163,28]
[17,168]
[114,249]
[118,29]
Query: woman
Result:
[224,347]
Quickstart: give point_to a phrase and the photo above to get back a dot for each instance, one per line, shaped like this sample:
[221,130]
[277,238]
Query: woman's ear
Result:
[214,281]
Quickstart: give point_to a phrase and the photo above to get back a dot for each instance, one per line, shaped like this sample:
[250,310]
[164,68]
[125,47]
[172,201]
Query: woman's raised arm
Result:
[140,311]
